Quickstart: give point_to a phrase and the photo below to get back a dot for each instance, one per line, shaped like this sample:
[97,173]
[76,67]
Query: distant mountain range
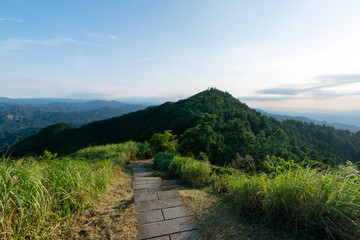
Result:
[20,118]
[235,132]
[280,117]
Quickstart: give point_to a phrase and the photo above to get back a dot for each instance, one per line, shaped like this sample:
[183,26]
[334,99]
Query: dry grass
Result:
[217,219]
[113,216]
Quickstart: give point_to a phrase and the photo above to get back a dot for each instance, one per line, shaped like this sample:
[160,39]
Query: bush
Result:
[300,199]
[164,142]
[48,156]
[195,173]
[144,151]
[162,161]
[176,165]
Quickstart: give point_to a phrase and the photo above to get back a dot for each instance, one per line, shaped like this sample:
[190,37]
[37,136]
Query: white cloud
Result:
[18,43]
[140,60]
[93,34]
[81,59]
[323,87]
[19,20]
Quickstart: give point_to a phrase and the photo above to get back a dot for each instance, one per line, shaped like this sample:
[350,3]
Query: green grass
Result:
[302,200]
[36,195]
[195,173]
[163,160]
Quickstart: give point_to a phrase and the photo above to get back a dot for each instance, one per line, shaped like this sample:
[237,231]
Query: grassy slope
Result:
[36,195]
[299,200]
[217,217]
[112,216]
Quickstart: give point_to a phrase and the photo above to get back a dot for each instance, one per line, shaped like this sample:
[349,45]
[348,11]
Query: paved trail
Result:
[162,215]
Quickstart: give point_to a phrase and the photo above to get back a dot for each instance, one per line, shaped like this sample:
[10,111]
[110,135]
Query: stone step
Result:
[175,212]
[143,197]
[158,229]
[168,194]
[147,185]
[143,174]
[146,178]
[162,215]
[158,204]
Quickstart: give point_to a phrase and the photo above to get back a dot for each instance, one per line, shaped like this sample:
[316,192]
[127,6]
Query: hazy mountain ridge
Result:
[37,101]
[237,131]
[20,121]
[280,117]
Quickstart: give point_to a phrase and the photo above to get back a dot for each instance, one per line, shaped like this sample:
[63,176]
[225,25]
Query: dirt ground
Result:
[113,216]
[218,219]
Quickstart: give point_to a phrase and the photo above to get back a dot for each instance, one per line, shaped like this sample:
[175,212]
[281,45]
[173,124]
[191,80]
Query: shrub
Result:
[164,142]
[144,151]
[300,199]
[163,160]
[195,173]
[176,165]
[48,156]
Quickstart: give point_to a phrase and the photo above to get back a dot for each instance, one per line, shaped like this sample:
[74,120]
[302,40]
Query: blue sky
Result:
[283,54]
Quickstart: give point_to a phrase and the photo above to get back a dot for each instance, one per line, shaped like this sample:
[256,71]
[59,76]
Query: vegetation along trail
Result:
[84,195]
[112,216]
[299,179]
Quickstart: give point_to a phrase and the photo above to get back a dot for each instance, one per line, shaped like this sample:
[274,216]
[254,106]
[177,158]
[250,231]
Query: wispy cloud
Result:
[140,60]
[323,87]
[339,79]
[266,98]
[18,43]
[280,91]
[19,20]
[93,34]
[81,59]
[100,36]
[113,37]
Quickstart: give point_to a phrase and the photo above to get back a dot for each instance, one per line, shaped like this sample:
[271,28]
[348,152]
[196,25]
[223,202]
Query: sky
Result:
[286,54]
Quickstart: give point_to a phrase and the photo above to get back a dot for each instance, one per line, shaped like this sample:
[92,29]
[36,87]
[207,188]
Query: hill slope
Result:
[140,125]
[20,121]
[240,131]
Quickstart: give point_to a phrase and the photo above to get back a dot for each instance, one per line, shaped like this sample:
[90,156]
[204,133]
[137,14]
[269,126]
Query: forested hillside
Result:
[20,121]
[214,125]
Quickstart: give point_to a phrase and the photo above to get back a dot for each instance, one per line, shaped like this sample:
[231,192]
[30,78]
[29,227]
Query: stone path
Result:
[162,215]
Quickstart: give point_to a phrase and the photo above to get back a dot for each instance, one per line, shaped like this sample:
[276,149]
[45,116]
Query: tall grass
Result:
[36,195]
[195,173]
[163,160]
[303,200]
[124,152]
[300,199]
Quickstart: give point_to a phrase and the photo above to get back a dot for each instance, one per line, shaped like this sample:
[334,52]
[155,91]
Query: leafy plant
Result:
[162,161]
[164,142]
[48,156]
